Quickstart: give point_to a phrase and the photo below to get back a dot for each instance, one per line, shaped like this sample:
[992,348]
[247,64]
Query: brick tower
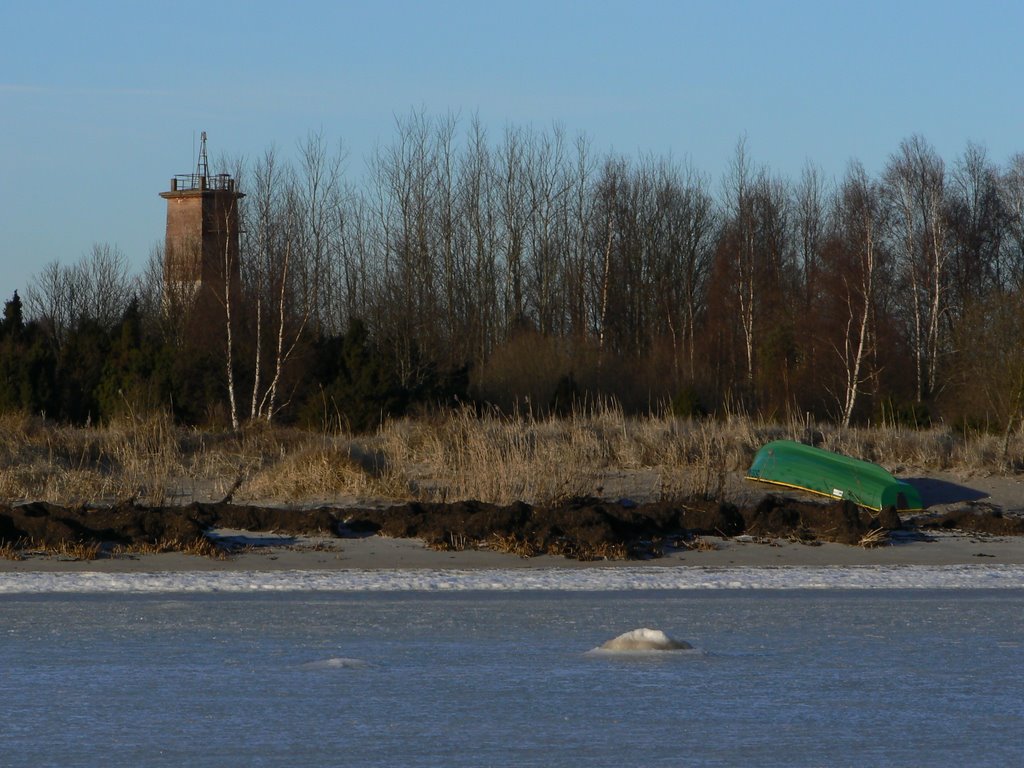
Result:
[201,245]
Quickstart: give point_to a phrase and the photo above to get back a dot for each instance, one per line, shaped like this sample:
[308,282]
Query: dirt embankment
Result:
[581,528]
[46,525]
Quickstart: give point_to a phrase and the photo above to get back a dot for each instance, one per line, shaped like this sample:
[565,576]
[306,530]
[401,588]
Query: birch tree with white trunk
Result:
[916,194]
[859,219]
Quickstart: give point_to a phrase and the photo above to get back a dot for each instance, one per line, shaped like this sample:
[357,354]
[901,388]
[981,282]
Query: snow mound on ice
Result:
[644,640]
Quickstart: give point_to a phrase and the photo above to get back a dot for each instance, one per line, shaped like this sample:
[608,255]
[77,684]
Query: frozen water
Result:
[336,663]
[459,678]
[547,579]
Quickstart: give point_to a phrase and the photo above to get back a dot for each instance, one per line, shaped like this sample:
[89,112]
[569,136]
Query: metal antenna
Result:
[203,169]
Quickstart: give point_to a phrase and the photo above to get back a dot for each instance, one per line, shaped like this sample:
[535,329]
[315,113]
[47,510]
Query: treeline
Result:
[528,272]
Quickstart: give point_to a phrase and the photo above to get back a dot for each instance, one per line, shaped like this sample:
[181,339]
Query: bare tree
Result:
[106,285]
[739,205]
[319,199]
[859,222]
[610,192]
[548,183]
[50,297]
[229,284]
[287,246]
[755,265]
[261,240]
[446,225]
[358,270]
[685,248]
[282,279]
[478,195]
[977,229]
[405,178]
[916,193]
[514,218]
[810,223]
[97,288]
[579,265]
[1011,185]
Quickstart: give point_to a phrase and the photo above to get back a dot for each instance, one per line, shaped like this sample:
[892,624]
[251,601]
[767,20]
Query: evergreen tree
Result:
[357,388]
[80,370]
[13,323]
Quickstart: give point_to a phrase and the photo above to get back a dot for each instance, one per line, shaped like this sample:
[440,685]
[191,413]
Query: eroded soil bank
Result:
[581,528]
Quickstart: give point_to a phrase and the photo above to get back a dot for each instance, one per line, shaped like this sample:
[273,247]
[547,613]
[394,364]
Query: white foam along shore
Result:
[546,579]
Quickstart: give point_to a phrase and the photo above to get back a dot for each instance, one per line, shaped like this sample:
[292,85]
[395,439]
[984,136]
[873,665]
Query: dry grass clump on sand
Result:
[12,550]
[878,537]
[93,550]
[448,456]
[698,544]
[66,550]
[521,546]
[317,470]
[77,550]
[512,544]
[200,547]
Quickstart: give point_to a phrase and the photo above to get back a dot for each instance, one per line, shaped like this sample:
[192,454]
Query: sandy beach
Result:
[378,552]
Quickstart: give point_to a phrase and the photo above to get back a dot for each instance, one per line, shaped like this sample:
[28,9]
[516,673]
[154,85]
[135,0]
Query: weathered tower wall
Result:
[201,244]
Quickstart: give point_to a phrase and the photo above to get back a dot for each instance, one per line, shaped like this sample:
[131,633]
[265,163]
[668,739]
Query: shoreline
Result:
[268,553]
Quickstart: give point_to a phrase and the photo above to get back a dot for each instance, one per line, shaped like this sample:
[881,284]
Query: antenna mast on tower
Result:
[203,168]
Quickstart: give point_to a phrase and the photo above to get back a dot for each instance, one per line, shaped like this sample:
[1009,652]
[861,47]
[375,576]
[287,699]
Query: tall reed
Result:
[446,456]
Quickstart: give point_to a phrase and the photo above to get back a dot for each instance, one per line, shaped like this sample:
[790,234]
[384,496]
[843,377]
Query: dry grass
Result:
[446,457]
[512,544]
[503,459]
[201,547]
[66,550]
[878,537]
[12,550]
[453,542]
[315,471]
[699,544]
[144,460]
[76,550]
[89,551]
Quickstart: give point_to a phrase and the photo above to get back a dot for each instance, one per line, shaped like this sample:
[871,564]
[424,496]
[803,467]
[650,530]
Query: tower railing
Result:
[190,182]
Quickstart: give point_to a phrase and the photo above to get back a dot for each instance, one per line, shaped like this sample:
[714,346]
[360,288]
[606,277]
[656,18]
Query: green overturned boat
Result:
[795,465]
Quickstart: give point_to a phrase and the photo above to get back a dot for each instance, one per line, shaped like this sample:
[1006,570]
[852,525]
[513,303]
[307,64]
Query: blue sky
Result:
[100,101]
